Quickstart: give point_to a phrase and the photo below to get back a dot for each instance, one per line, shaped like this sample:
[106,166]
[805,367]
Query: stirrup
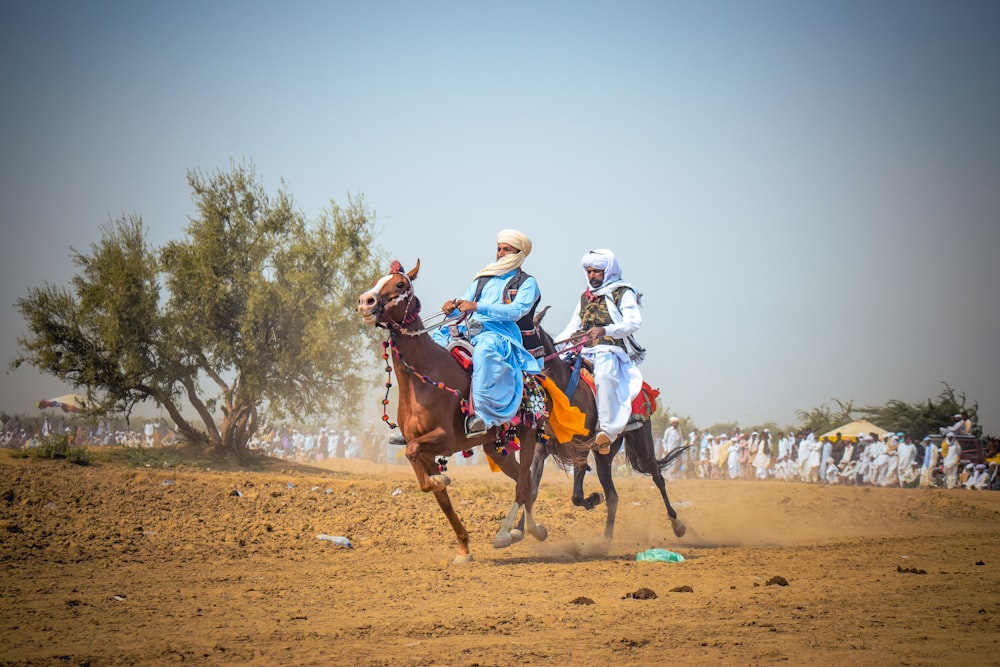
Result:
[602,443]
[474,426]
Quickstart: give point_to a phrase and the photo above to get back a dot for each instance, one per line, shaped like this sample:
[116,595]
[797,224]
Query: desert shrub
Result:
[61,447]
[138,457]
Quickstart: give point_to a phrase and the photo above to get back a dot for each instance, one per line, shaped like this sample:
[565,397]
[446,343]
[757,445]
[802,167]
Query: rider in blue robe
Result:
[492,312]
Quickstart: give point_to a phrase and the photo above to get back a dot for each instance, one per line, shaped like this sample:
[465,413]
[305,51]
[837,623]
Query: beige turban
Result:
[508,263]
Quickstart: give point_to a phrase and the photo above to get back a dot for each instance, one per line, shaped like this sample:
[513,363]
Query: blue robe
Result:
[498,358]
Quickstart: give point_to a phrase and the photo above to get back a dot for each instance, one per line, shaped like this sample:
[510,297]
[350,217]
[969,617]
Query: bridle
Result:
[408,296]
[394,328]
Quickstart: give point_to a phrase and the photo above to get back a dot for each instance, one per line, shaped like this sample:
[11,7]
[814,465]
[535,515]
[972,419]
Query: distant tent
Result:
[855,428]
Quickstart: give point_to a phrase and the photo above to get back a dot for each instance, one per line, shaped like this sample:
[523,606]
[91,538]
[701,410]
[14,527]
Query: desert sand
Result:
[114,565]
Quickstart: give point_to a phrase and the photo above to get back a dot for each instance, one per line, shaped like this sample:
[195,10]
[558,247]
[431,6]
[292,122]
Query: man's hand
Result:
[595,332]
[461,304]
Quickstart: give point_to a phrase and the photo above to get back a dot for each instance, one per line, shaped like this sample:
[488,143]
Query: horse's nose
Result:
[366,302]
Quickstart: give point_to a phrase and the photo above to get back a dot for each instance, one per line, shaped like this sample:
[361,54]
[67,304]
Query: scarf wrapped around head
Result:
[508,263]
[603,260]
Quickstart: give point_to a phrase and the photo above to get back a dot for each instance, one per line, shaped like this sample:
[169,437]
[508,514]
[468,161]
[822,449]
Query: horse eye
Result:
[401,285]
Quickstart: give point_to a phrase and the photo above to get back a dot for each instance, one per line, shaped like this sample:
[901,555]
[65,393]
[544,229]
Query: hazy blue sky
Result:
[807,193]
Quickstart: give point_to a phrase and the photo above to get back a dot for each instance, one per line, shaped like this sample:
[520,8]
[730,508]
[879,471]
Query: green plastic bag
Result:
[661,555]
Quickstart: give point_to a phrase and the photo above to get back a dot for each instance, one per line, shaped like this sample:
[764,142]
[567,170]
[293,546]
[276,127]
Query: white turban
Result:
[603,260]
[508,263]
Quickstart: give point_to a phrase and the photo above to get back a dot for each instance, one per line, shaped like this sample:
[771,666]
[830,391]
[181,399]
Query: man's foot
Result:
[474,425]
[603,443]
[397,438]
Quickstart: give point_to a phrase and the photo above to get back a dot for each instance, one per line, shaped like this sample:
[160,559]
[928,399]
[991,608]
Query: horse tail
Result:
[567,455]
[646,464]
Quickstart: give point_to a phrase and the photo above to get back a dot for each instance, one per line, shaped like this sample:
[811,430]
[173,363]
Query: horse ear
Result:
[395,267]
[539,316]
[412,273]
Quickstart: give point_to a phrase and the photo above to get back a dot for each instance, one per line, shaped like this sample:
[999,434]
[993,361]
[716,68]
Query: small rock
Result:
[10,527]
[910,570]
[581,600]
[682,589]
[777,580]
[641,594]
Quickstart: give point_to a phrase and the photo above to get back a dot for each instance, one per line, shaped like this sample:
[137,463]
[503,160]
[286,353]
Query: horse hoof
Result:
[502,541]
[593,500]
[516,535]
[540,532]
[439,482]
[679,527]
[462,559]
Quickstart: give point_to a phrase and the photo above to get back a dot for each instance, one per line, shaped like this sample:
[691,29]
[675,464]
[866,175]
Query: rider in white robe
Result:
[616,375]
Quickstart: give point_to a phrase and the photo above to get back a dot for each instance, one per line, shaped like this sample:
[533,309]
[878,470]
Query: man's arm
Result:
[526,296]
[631,317]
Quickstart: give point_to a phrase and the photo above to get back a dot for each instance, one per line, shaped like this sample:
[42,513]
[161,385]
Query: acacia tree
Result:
[821,419]
[253,310]
[924,418]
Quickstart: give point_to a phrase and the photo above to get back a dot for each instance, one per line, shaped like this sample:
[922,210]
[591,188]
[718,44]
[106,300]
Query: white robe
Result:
[950,463]
[618,380]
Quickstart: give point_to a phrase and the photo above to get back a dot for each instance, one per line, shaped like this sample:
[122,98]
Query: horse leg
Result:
[537,469]
[464,555]
[423,465]
[591,501]
[526,488]
[503,538]
[678,526]
[606,476]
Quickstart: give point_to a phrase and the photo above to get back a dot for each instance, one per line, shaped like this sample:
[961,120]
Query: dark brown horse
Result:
[433,391]
[640,448]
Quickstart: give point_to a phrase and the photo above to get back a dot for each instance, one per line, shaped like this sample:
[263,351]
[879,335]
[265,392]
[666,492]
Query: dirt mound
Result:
[108,564]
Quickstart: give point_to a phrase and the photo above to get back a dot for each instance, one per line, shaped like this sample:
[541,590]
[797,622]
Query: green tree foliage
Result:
[924,418]
[822,419]
[913,419]
[251,311]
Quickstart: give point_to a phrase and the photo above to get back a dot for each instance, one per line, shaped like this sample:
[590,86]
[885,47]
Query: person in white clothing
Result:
[831,473]
[762,458]
[952,456]
[980,480]
[673,440]
[879,460]
[802,463]
[605,320]
[733,460]
[782,464]
[907,454]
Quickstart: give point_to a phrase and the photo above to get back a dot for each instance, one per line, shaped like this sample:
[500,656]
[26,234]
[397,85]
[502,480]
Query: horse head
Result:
[391,302]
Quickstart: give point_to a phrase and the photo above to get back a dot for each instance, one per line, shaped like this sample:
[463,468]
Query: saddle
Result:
[461,350]
[643,405]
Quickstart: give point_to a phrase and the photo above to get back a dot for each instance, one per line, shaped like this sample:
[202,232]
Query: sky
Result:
[807,194]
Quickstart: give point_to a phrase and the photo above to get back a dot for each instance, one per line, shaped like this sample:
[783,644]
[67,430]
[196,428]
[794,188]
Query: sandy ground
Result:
[111,565]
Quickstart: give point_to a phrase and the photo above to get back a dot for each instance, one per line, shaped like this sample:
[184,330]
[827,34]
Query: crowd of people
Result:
[312,445]
[23,433]
[873,459]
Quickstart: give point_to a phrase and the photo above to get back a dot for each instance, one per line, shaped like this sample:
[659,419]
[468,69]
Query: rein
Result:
[463,405]
[581,340]
[400,327]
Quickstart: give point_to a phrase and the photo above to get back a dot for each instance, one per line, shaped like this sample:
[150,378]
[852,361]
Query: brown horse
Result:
[640,448]
[433,392]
